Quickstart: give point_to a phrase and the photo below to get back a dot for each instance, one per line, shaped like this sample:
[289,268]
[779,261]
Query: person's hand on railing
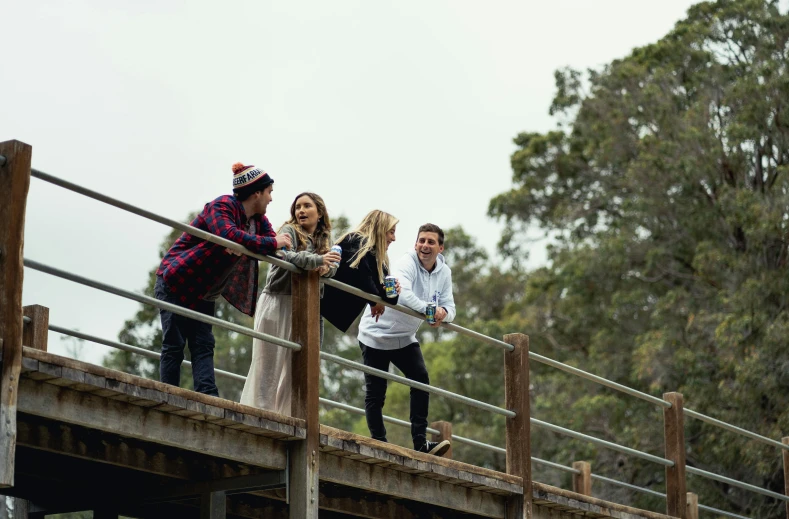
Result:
[231,251]
[283,240]
[441,314]
[377,310]
[330,259]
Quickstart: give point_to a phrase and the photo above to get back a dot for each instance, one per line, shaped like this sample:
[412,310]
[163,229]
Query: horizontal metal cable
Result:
[659,494]
[449,326]
[418,385]
[558,466]
[603,443]
[628,485]
[735,483]
[600,380]
[131,349]
[735,429]
[721,512]
[194,231]
[161,304]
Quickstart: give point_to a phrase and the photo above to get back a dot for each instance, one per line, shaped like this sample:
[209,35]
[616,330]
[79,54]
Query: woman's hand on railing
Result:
[441,314]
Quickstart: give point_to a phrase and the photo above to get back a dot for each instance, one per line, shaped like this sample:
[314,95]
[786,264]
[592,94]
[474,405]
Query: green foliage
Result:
[668,192]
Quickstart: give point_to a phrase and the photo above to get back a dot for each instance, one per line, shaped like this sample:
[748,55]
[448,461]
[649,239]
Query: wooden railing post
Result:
[518,443]
[674,432]
[582,483]
[14,184]
[693,506]
[785,456]
[36,332]
[444,433]
[304,455]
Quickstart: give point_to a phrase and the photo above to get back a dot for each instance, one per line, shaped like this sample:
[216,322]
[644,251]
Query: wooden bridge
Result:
[76,436]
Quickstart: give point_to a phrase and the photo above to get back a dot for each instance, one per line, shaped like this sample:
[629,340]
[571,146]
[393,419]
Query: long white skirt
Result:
[268,384]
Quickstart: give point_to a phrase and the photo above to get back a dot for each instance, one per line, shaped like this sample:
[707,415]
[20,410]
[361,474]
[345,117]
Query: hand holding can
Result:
[391,289]
[338,250]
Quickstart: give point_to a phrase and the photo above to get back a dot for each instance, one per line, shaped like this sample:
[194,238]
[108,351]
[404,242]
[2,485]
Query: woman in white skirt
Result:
[269,380]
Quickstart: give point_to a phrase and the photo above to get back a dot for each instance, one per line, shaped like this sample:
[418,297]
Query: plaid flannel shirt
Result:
[193,266]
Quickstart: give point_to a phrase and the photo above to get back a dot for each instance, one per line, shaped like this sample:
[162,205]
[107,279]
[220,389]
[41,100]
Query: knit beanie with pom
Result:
[248,179]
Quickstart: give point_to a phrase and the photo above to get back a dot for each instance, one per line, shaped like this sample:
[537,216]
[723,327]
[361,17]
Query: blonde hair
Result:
[321,238]
[372,231]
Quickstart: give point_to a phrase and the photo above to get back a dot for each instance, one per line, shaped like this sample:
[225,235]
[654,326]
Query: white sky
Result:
[407,106]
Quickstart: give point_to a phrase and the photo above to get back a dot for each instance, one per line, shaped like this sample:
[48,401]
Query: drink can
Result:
[389,283]
[430,313]
[338,250]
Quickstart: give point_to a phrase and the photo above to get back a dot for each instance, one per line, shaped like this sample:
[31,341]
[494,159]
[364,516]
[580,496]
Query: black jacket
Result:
[341,308]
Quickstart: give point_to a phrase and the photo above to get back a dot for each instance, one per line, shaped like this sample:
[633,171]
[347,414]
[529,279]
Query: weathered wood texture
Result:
[518,442]
[693,506]
[20,508]
[582,483]
[14,184]
[213,505]
[550,498]
[142,392]
[304,459]
[785,456]
[444,433]
[36,333]
[674,432]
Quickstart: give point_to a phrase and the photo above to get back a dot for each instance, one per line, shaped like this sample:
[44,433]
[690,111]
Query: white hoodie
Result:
[395,329]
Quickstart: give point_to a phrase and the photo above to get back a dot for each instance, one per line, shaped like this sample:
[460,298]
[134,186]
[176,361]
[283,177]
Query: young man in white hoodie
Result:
[391,338]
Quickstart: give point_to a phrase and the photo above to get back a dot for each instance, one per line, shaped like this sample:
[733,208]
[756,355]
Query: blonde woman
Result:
[309,228]
[364,265]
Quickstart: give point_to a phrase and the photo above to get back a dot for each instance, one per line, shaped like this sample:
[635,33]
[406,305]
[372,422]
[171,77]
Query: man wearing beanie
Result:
[425,278]
[195,272]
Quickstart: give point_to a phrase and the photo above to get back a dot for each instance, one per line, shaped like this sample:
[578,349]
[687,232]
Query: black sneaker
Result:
[435,448]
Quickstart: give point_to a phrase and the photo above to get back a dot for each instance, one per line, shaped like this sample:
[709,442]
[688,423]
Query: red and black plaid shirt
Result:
[194,266]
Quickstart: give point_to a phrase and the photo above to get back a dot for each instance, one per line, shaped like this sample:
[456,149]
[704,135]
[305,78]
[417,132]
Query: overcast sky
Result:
[409,107]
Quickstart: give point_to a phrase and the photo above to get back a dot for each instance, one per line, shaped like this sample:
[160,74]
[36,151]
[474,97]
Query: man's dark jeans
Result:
[409,360]
[177,330]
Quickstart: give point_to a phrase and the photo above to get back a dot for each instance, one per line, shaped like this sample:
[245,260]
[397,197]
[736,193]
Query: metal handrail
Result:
[735,483]
[734,429]
[161,304]
[459,439]
[417,385]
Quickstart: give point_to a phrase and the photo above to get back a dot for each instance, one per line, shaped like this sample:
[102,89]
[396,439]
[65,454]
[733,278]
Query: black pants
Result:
[409,360]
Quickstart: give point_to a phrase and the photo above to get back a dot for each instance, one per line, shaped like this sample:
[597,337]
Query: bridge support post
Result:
[444,433]
[305,455]
[674,432]
[14,184]
[518,443]
[693,506]
[36,332]
[582,483]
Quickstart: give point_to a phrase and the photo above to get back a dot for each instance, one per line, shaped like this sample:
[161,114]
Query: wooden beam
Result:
[674,432]
[213,505]
[20,508]
[76,441]
[518,432]
[344,470]
[444,433]
[148,424]
[582,483]
[304,459]
[14,184]
[693,506]
[36,333]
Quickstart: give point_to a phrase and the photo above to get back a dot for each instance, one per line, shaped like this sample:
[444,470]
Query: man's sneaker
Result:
[435,448]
